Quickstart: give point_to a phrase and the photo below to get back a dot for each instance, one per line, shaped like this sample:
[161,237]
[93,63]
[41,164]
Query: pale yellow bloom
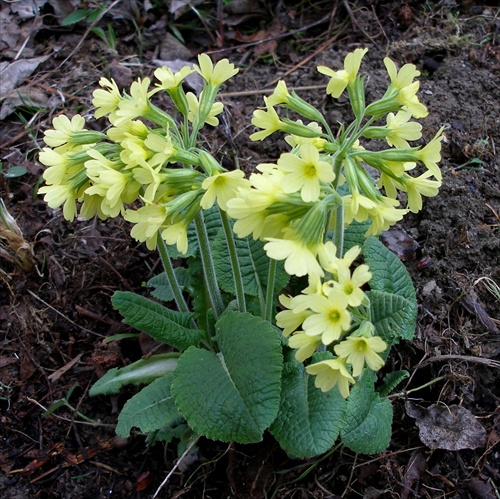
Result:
[305,173]
[306,345]
[384,215]
[170,80]
[290,320]
[317,142]
[106,101]
[280,94]
[268,120]
[222,187]
[194,104]
[329,373]
[430,155]
[405,88]
[162,147]
[300,258]
[357,207]
[401,130]
[418,187]
[62,194]
[339,80]
[64,130]
[351,285]
[217,75]
[330,318]
[148,221]
[136,105]
[359,351]
[176,234]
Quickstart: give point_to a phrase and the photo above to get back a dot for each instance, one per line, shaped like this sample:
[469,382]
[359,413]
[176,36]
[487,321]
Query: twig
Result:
[356,23]
[64,316]
[308,58]
[184,454]
[466,358]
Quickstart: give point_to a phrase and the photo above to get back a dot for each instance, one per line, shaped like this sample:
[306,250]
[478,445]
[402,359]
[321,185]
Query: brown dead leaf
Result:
[447,427]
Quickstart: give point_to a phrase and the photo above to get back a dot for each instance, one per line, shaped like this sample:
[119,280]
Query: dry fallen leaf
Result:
[11,74]
[447,427]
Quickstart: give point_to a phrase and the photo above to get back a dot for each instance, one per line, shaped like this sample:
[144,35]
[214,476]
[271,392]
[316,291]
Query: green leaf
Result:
[76,16]
[162,290]
[354,234]
[153,408]
[159,322]
[308,420]
[232,395]
[139,372]
[15,171]
[392,296]
[393,316]
[254,266]
[367,424]
[389,273]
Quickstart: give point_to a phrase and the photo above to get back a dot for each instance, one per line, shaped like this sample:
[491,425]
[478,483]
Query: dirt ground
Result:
[53,319]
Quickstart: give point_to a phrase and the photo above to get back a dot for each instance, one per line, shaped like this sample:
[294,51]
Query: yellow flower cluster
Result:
[139,157]
[322,315]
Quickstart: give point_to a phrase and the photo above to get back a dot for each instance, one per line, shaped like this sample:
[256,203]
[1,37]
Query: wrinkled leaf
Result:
[308,420]
[153,408]
[451,427]
[232,395]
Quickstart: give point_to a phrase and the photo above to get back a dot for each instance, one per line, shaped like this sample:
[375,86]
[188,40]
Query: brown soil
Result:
[53,321]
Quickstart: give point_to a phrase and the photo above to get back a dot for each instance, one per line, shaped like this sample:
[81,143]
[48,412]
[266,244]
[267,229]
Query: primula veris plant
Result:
[283,303]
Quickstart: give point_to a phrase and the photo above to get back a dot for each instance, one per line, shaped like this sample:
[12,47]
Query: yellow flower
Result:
[148,221]
[136,105]
[280,94]
[330,318]
[418,187]
[217,75]
[351,285]
[401,130]
[430,155]
[249,207]
[305,344]
[162,147]
[56,195]
[300,258]
[170,80]
[339,80]
[384,215]
[223,187]
[64,130]
[329,373]
[134,152]
[357,207]
[129,129]
[305,173]
[177,234]
[106,101]
[404,88]
[114,186]
[289,320]
[359,351]
[268,120]
[193,104]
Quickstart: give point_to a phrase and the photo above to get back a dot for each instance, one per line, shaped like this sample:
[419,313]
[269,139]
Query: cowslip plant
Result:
[283,327]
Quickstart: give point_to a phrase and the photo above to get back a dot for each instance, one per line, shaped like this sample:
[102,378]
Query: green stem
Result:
[208,266]
[171,277]
[338,234]
[235,264]
[271,279]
